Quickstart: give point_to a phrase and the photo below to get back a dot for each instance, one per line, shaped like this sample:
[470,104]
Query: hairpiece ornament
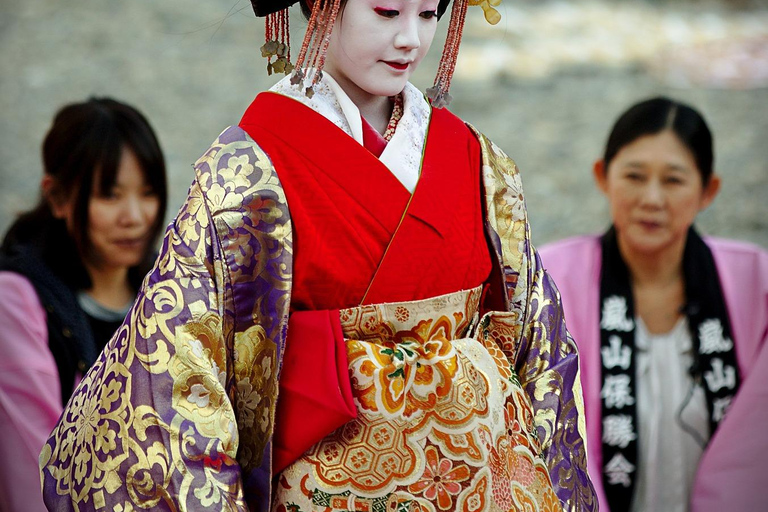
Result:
[311,59]
[438,93]
[278,43]
[492,16]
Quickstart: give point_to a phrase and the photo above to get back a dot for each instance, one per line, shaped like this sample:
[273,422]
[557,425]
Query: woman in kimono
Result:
[69,270]
[671,327]
[311,335]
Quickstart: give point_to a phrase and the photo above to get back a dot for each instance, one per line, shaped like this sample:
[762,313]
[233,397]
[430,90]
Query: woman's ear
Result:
[711,189]
[57,204]
[599,172]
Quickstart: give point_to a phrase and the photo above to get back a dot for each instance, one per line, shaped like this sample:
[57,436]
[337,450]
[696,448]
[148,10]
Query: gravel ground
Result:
[545,85]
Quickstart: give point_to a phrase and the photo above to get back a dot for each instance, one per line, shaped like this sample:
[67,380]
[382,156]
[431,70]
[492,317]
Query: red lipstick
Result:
[397,65]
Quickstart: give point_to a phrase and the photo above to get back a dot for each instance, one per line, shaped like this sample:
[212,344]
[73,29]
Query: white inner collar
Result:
[403,154]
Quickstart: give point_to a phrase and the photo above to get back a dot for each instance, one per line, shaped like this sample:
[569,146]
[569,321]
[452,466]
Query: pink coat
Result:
[732,474]
[30,395]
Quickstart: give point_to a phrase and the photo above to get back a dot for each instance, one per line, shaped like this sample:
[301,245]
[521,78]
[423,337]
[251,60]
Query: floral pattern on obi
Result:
[443,423]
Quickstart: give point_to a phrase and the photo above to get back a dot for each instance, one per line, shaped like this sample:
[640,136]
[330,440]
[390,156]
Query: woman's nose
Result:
[408,36]
[132,211]
[653,194]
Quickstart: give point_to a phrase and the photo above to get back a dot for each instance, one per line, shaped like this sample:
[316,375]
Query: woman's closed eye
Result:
[428,15]
[386,13]
[109,195]
[672,180]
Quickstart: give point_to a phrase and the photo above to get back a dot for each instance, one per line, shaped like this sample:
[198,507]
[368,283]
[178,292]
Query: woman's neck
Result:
[658,286]
[377,110]
[110,287]
[663,266]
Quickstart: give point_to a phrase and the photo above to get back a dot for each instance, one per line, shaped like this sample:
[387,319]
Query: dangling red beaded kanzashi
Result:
[439,92]
[278,43]
[311,57]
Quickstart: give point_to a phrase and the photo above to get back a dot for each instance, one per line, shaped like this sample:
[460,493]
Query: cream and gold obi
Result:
[443,423]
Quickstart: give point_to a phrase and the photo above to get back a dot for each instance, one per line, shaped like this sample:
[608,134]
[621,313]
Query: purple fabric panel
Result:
[138,430]
[553,390]
[102,389]
[259,284]
[574,264]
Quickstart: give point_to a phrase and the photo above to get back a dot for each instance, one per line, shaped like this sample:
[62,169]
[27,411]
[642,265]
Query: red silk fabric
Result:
[373,141]
[345,207]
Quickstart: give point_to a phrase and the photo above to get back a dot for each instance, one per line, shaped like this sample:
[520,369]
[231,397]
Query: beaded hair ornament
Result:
[308,69]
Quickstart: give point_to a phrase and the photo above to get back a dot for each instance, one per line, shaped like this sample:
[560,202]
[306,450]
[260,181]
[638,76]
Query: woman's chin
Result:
[388,86]
[649,245]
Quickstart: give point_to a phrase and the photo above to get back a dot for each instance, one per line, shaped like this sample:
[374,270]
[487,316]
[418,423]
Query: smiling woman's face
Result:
[655,191]
[377,44]
[120,223]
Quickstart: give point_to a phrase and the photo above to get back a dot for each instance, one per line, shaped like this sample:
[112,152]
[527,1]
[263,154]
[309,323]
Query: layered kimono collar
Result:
[403,153]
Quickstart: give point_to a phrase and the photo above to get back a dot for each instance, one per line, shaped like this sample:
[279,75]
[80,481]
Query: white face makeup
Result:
[377,44]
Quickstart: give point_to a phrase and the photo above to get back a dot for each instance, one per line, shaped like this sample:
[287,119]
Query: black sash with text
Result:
[714,367]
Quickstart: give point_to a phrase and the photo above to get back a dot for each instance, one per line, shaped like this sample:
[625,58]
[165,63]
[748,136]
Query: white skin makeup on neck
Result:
[375,47]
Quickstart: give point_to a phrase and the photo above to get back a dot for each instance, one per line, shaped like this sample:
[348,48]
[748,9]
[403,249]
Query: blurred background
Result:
[545,84]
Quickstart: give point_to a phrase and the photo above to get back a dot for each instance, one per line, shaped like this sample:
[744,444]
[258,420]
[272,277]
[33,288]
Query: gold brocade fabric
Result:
[443,423]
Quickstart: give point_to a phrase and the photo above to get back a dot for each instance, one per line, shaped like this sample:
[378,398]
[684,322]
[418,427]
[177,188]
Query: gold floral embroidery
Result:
[403,376]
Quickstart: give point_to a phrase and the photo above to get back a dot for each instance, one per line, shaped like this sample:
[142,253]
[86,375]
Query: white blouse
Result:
[670,440]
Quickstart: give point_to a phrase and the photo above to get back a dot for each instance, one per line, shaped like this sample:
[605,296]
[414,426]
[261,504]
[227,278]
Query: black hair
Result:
[655,115]
[84,144]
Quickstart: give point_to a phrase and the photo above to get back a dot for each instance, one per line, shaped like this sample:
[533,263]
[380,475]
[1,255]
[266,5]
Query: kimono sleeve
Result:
[541,349]
[156,422]
[548,365]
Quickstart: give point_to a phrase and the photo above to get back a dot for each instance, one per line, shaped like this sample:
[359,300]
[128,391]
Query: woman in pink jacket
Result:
[671,327]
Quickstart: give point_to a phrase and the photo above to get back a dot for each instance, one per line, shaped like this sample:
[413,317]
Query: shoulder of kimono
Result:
[252,235]
[507,220]
[493,156]
[235,168]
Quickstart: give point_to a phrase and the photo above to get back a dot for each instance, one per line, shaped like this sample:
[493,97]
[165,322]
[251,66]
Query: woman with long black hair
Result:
[69,271]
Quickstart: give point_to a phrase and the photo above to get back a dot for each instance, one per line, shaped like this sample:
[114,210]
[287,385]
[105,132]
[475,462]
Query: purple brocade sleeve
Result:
[550,375]
[178,411]
[545,355]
